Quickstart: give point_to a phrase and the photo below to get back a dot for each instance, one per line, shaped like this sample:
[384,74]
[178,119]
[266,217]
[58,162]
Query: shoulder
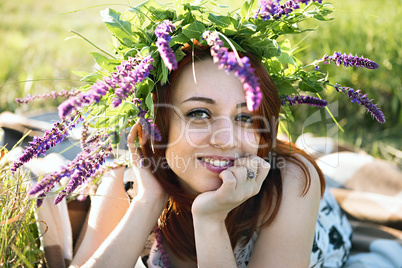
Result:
[288,240]
[299,175]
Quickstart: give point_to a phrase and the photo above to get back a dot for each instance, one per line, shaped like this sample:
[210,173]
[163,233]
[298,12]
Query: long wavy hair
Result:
[176,221]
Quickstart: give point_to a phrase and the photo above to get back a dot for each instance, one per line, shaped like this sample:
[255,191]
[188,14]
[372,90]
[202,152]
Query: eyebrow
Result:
[241,104]
[211,101]
[202,99]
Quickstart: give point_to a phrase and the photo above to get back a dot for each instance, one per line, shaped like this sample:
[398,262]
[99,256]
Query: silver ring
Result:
[251,174]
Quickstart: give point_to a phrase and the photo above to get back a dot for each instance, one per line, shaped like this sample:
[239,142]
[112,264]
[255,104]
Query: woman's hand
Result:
[235,189]
[149,188]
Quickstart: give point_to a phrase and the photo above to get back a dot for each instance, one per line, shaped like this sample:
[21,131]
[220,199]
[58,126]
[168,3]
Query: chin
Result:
[212,185]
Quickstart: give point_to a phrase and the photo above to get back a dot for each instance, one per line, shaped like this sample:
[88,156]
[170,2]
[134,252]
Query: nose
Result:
[223,134]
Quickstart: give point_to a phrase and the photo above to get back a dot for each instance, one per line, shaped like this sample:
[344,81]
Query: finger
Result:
[135,150]
[136,131]
[263,167]
[229,181]
[239,173]
[250,163]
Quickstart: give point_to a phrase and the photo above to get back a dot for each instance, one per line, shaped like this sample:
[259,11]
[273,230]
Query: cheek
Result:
[182,134]
[251,141]
[175,131]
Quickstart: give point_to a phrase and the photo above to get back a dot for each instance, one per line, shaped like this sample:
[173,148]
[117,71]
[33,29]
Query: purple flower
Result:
[39,145]
[268,9]
[313,101]
[84,135]
[122,82]
[53,94]
[242,69]
[349,60]
[81,168]
[163,32]
[75,103]
[85,187]
[39,200]
[360,98]
[150,130]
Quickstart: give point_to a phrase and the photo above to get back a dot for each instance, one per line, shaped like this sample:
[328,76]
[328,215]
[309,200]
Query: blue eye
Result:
[198,114]
[244,118]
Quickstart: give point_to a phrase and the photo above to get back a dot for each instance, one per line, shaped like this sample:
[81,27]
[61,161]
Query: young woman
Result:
[219,190]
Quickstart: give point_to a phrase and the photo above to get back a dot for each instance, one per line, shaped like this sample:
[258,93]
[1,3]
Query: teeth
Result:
[217,163]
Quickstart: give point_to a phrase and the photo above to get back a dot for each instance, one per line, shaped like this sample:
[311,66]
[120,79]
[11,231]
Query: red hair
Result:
[176,221]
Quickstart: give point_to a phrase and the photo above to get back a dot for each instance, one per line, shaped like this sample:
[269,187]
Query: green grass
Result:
[372,29]
[19,243]
[38,52]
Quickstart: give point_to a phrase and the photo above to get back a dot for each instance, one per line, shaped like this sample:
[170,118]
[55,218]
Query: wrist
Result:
[155,202]
[209,222]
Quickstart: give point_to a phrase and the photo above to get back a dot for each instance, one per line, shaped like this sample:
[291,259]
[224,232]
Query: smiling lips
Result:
[214,164]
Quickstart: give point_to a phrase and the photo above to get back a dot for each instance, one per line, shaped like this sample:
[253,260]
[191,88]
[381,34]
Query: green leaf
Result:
[247,8]
[128,108]
[150,103]
[268,47]
[247,29]
[101,122]
[91,78]
[115,135]
[179,39]
[285,88]
[273,65]
[226,24]
[104,62]
[285,45]
[286,58]
[117,27]
[288,113]
[179,54]
[220,21]
[144,88]
[194,30]
[306,86]
[80,73]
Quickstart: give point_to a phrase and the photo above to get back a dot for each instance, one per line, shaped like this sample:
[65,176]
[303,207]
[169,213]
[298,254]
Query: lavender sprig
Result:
[149,129]
[84,135]
[163,32]
[270,9]
[360,98]
[313,101]
[81,168]
[40,145]
[242,69]
[349,60]
[122,82]
[86,186]
[53,94]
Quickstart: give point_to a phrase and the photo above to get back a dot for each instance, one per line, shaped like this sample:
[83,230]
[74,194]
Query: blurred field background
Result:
[372,29]
[38,53]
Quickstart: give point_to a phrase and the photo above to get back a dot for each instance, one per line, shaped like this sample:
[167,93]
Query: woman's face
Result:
[210,126]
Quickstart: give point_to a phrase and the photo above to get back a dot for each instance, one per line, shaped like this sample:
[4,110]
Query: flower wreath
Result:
[149,41]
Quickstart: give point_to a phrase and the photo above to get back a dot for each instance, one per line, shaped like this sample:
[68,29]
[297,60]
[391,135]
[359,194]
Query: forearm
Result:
[108,207]
[213,244]
[124,245]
